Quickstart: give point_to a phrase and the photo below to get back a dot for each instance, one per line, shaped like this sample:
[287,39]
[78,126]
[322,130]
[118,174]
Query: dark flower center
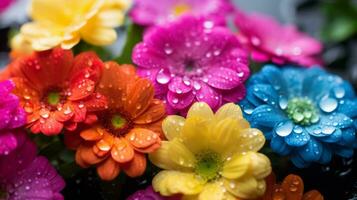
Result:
[302,111]
[208,165]
[116,123]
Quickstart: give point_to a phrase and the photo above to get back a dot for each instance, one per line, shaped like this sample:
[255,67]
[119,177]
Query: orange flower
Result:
[56,89]
[292,188]
[129,128]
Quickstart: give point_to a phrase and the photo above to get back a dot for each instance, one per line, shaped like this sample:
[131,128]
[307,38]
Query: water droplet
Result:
[339,92]
[298,129]
[168,50]
[255,41]
[328,130]
[328,104]
[175,100]
[284,128]
[208,24]
[240,74]
[283,102]
[162,77]
[197,85]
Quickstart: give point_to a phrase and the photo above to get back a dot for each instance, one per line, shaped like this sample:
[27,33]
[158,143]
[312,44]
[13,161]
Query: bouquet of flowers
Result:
[166,100]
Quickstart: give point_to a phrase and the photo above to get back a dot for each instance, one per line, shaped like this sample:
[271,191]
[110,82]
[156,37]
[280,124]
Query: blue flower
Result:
[307,114]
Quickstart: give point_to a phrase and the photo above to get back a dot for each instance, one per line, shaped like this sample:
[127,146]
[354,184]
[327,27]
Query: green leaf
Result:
[134,36]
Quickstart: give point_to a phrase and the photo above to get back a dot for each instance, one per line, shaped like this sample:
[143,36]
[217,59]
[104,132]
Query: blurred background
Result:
[334,22]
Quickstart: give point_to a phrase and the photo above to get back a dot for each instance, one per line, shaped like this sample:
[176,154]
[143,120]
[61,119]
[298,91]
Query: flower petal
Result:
[154,112]
[293,187]
[236,167]
[200,109]
[179,86]
[136,167]
[108,170]
[122,151]
[174,182]
[313,195]
[223,78]
[87,155]
[247,188]
[172,126]
[212,191]
[229,110]
[142,138]
[209,95]
[91,134]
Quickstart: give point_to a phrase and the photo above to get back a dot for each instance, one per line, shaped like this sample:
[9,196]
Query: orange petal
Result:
[270,183]
[142,138]
[108,170]
[99,152]
[26,94]
[79,159]
[96,102]
[91,134]
[50,126]
[114,82]
[136,167]
[65,113]
[87,154]
[313,195]
[155,127]
[106,143]
[122,151]
[293,187]
[155,112]
[140,96]
[46,69]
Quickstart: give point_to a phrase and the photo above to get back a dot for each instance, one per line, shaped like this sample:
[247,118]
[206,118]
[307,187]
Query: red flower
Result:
[57,90]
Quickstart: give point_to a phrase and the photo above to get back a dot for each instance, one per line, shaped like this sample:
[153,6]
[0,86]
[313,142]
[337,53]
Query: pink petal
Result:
[180,86]
[180,101]
[209,95]
[223,78]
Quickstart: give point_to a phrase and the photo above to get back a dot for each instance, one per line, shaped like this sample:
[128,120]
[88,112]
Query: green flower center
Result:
[302,111]
[208,165]
[53,98]
[118,121]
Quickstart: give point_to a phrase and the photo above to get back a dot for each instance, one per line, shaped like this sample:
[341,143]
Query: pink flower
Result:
[149,194]
[192,60]
[4,4]
[23,175]
[268,40]
[12,117]
[146,12]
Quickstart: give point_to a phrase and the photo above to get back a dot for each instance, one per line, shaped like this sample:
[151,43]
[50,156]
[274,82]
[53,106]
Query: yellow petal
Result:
[212,191]
[200,109]
[237,166]
[224,136]
[98,35]
[260,165]
[229,110]
[195,134]
[110,18]
[248,188]
[172,126]
[168,183]
[173,155]
[71,42]
[250,139]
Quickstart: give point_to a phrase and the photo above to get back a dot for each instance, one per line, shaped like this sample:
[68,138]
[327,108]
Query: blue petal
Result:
[348,137]
[336,120]
[350,92]
[312,151]
[348,107]
[268,116]
[279,146]
[326,155]
[293,78]
[275,78]
[344,151]
[332,138]
[252,99]
[298,161]
[247,107]
[309,79]
[266,93]
[299,137]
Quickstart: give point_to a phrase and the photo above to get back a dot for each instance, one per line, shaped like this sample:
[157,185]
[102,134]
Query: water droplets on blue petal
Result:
[284,128]
[328,104]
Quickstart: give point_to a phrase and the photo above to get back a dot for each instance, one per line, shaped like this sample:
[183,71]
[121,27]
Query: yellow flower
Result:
[211,156]
[65,22]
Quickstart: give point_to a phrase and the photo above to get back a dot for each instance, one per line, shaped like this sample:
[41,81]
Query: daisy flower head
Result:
[12,117]
[65,22]
[267,40]
[57,90]
[163,11]
[193,60]
[307,114]
[211,156]
[129,128]
[23,175]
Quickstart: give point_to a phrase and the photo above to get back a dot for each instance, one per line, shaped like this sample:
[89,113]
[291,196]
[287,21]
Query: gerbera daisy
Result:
[57,90]
[23,175]
[211,156]
[193,60]
[127,129]
[147,13]
[12,117]
[267,40]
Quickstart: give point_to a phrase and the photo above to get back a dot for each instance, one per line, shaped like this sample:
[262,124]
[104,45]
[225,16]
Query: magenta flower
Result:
[193,60]
[25,176]
[162,11]
[12,116]
[4,4]
[267,40]
[149,194]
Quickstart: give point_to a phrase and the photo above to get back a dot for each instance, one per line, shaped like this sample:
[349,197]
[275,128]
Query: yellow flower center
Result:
[180,9]
[208,165]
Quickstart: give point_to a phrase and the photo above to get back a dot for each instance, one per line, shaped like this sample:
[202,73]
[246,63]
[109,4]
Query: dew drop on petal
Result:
[283,102]
[339,92]
[298,129]
[328,104]
[284,128]
[208,24]
[162,77]
[328,130]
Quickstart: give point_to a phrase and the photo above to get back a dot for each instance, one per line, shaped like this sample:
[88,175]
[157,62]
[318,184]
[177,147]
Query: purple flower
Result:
[149,194]
[192,60]
[12,116]
[267,40]
[23,175]
[162,11]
